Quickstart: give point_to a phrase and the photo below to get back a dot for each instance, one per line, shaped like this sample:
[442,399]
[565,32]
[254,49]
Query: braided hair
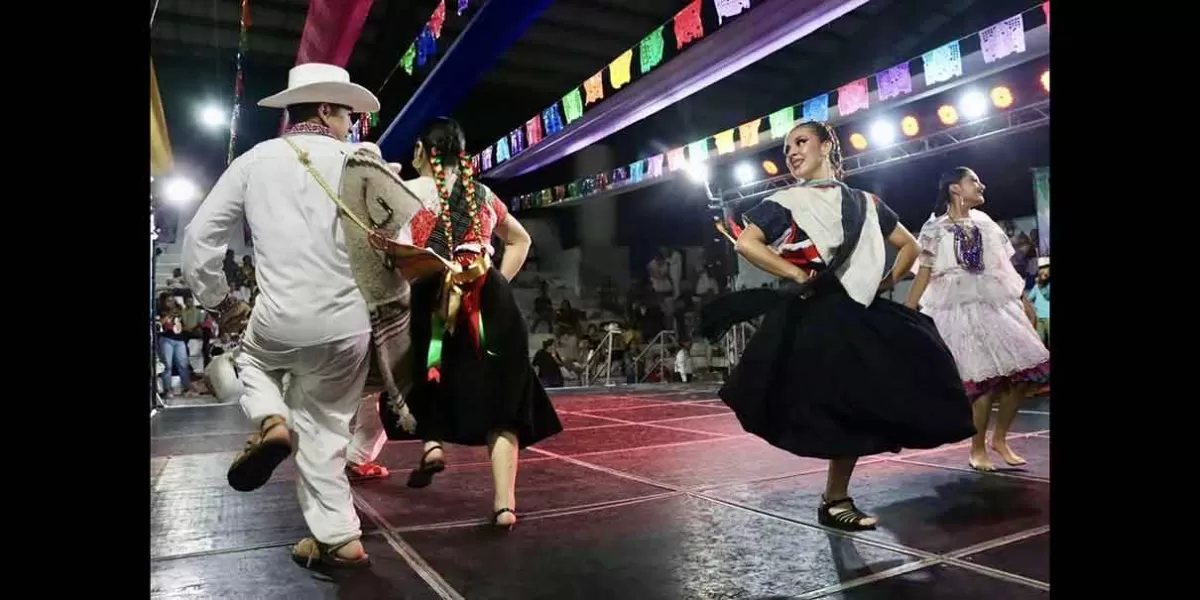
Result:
[445,145]
[825,133]
[949,178]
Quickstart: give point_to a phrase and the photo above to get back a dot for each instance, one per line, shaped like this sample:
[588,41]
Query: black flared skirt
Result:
[827,377]
[479,391]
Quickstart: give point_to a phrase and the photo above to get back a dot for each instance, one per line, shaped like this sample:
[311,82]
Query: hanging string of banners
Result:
[424,47]
[238,87]
[418,54]
[686,28]
[939,65]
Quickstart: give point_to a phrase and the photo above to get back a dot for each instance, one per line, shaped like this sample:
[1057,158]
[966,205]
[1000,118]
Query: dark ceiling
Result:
[194,44]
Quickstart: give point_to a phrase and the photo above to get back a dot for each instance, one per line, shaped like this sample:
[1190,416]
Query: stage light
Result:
[180,191]
[1046,80]
[1002,97]
[883,133]
[770,168]
[973,104]
[744,173]
[909,126]
[212,117]
[947,114]
[697,171]
[858,141]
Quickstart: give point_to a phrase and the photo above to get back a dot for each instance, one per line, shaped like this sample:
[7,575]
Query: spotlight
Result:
[883,133]
[180,191]
[1046,80]
[947,114]
[770,168]
[744,173]
[973,104]
[858,141]
[909,126]
[1002,97]
[212,117]
[697,171]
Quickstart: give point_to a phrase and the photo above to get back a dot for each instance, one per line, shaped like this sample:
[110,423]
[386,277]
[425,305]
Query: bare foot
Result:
[980,462]
[1011,458]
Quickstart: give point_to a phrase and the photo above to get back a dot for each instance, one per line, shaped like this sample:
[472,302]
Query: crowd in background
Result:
[187,336]
[646,327]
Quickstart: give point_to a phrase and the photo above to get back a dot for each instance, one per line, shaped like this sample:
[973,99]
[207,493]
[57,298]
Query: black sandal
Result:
[422,476]
[496,518]
[847,520]
[309,552]
[252,468]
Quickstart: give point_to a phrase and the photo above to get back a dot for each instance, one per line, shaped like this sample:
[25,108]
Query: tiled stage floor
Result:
[652,492]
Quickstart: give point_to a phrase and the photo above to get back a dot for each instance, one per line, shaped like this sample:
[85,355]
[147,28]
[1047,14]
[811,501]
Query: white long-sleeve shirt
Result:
[307,295]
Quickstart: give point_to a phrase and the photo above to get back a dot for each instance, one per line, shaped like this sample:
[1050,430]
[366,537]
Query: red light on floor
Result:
[947,114]
[770,168]
[1002,97]
[1046,81]
[910,126]
[858,141]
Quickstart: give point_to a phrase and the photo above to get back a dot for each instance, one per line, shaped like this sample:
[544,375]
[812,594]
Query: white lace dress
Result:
[979,312]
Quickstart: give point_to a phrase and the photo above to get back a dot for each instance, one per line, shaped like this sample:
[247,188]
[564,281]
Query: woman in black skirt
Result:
[835,371]
[474,384]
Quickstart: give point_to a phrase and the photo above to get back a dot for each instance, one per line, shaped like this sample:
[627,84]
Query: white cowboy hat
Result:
[373,147]
[1043,261]
[317,82]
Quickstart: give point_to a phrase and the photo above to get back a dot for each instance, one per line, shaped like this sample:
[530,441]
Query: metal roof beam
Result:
[754,35]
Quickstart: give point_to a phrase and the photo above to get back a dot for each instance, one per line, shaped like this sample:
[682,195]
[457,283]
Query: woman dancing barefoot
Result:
[473,383]
[834,371]
[968,285]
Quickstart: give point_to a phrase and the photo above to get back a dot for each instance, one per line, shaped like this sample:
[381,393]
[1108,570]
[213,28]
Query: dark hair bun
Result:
[444,136]
[949,178]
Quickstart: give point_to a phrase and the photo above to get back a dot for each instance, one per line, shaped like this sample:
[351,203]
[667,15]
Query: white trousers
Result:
[323,395]
[369,436]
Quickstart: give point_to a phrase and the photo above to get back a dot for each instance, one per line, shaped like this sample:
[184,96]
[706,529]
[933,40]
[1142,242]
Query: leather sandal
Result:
[253,466]
[309,552]
[422,476]
[848,519]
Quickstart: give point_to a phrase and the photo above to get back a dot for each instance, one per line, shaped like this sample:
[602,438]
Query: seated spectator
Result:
[176,282]
[232,273]
[548,365]
[543,310]
[247,270]
[683,362]
[706,286]
[568,318]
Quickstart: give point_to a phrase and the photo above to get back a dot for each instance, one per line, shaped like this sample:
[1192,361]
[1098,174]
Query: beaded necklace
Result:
[439,179]
[968,246]
[304,127]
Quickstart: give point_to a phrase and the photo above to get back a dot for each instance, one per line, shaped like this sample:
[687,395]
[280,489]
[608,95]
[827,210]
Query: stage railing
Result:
[734,343]
[603,351]
[660,343]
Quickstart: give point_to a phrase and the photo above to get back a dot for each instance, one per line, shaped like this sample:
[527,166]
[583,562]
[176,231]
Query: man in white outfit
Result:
[310,320]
